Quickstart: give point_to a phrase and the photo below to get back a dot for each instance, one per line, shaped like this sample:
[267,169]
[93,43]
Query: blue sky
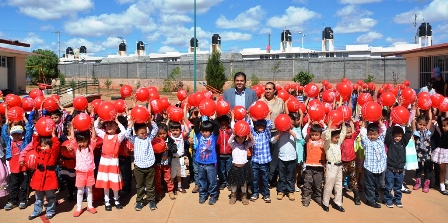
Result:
[167,25]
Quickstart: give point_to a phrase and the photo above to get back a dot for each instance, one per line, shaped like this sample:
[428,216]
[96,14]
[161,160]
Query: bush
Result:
[62,80]
[169,84]
[107,83]
[215,72]
[370,78]
[303,77]
[254,80]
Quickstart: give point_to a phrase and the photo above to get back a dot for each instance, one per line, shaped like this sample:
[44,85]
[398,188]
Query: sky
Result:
[167,25]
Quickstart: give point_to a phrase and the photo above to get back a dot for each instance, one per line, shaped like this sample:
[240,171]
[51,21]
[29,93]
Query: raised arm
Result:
[99,131]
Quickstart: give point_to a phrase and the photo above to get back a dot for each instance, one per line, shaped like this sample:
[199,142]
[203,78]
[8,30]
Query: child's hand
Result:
[22,163]
[190,140]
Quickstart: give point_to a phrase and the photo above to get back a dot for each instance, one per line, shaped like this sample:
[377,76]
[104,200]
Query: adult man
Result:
[240,95]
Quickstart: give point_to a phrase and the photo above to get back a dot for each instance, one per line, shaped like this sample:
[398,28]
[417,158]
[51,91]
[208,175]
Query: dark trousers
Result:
[394,181]
[425,168]
[18,188]
[260,171]
[225,163]
[126,172]
[144,178]
[286,171]
[372,185]
[313,183]
[273,165]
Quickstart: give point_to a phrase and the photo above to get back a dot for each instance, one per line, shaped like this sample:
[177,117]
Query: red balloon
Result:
[283,122]
[346,113]
[152,89]
[82,122]
[287,87]
[27,104]
[329,86]
[424,103]
[293,105]
[344,80]
[371,86]
[381,90]
[15,114]
[443,106]
[299,88]
[241,128]
[191,101]
[38,101]
[198,97]
[221,98]
[3,106]
[120,106]
[259,110]
[394,91]
[328,107]
[239,112]
[30,160]
[258,89]
[176,114]
[406,83]
[363,98]
[208,94]
[50,104]
[344,89]
[435,98]
[316,112]
[371,111]
[55,97]
[181,95]
[36,93]
[154,95]
[283,94]
[207,107]
[359,82]
[158,145]
[312,90]
[222,107]
[400,115]
[423,95]
[328,96]
[355,87]
[140,114]
[13,100]
[96,104]
[325,82]
[278,88]
[156,106]
[388,98]
[408,94]
[106,111]
[126,91]
[44,126]
[142,94]
[364,85]
[337,118]
[314,102]
[165,103]
[80,103]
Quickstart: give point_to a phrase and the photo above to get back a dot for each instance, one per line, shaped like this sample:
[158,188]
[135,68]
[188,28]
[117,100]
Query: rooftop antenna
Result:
[415,27]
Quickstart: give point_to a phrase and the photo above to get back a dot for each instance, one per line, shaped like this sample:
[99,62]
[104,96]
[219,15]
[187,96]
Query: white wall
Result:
[412,71]
[3,78]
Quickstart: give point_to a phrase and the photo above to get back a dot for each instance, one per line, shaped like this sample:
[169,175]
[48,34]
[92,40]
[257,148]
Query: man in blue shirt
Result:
[240,95]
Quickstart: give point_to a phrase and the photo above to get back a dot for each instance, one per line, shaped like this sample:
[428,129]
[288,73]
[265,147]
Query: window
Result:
[2,61]
[288,56]
[313,55]
[329,55]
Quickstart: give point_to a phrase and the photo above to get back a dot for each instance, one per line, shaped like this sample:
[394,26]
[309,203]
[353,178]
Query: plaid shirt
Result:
[143,151]
[375,152]
[261,152]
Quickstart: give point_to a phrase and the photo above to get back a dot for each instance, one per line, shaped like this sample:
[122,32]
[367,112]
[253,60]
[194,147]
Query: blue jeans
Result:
[286,171]
[393,181]
[208,181]
[225,163]
[372,185]
[263,171]
[51,199]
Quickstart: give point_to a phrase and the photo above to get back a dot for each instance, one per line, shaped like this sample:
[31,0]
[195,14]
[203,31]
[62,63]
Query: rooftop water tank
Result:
[122,47]
[83,49]
[69,51]
[286,36]
[327,33]
[216,39]
[192,42]
[140,45]
[425,30]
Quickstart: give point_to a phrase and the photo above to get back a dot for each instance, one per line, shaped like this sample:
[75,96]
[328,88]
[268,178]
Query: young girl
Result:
[440,155]
[422,138]
[240,173]
[84,144]
[162,164]
[109,176]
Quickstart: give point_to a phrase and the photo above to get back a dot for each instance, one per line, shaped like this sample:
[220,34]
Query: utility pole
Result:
[415,27]
[59,43]
[269,43]
[195,46]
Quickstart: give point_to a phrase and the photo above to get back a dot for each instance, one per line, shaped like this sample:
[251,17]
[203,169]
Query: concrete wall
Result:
[412,71]
[3,78]
[20,73]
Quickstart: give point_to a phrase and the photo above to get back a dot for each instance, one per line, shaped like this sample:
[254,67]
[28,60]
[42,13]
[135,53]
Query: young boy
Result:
[163,167]
[348,156]
[261,156]
[225,152]
[206,158]
[375,161]
[396,141]
[333,174]
[314,172]
[178,163]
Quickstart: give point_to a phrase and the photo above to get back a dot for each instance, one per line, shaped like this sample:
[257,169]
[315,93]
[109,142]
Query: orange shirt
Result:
[315,153]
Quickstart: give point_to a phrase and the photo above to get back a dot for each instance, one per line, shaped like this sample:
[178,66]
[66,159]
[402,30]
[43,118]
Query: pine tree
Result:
[215,71]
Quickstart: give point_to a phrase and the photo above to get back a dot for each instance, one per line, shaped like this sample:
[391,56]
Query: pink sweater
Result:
[84,157]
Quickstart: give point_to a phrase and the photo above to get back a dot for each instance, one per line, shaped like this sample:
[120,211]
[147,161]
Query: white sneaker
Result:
[297,189]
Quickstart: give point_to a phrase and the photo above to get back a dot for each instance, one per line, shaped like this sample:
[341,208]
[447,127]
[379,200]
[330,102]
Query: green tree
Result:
[169,84]
[303,77]
[47,60]
[215,72]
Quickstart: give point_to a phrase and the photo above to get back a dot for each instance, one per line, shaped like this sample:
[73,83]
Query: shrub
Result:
[62,80]
[215,72]
[254,80]
[370,78]
[303,77]
[108,83]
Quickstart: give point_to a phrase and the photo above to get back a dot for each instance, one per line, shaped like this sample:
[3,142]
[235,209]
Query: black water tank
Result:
[69,51]
[327,33]
[216,39]
[192,42]
[286,36]
[425,30]
[140,45]
[122,47]
[83,49]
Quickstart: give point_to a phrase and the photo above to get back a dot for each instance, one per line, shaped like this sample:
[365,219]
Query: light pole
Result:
[303,35]
[194,63]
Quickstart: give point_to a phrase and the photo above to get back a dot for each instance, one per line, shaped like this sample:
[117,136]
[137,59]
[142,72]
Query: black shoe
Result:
[444,192]
[340,208]
[50,216]
[31,217]
[201,200]
[108,207]
[326,208]
[374,205]
[118,205]
[305,204]
[406,191]
[222,186]
[356,197]
[212,201]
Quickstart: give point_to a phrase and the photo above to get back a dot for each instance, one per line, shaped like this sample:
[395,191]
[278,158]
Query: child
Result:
[109,176]
[84,145]
[375,161]
[68,161]
[396,141]
[348,157]
[314,162]
[178,162]
[144,160]
[287,163]
[240,173]
[163,160]
[125,160]
[225,151]
[261,132]
[44,180]
[300,142]
[440,155]
[333,174]
[422,137]
[206,134]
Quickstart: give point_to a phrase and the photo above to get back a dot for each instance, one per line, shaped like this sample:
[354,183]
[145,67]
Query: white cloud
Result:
[232,36]
[124,1]
[393,40]
[1,34]
[247,20]
[182,6]
[34,40]
[47,28]
[175,19]
[91,47]
[354,20]
[437,10]
[300,1]
[47,10]
[294,18]
[112,24]
[180,36]
[358,1]
[165,49]
[265,30]
[111,42]
[369,37]
[153,37]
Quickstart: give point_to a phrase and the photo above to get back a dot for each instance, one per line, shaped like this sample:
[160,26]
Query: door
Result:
[11,64]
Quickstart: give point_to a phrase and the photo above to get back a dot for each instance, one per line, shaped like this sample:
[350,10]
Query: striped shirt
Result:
[261,151]
[143,151]
[375,151]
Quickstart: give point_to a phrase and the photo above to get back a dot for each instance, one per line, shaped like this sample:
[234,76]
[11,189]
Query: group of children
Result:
[318,156]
